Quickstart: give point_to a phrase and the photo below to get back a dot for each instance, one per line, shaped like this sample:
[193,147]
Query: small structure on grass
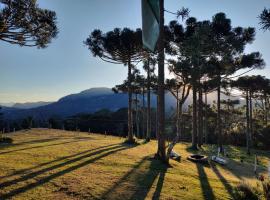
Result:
[175,156]
[219,160]
[197,158]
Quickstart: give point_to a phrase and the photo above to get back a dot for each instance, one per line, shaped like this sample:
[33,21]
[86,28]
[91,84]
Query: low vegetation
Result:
[73,165]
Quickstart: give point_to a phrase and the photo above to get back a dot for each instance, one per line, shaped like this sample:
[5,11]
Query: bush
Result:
[133,142]
[262,138]
[6,140]
[246,192]
[266,189]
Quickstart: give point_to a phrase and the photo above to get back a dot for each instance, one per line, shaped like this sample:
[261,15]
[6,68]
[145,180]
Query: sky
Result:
[66,66]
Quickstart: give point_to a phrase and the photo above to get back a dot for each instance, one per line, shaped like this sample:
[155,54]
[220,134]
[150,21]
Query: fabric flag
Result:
[150,23]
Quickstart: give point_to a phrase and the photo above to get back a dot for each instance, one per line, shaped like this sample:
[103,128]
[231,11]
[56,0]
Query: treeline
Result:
[233,116]
[103,121]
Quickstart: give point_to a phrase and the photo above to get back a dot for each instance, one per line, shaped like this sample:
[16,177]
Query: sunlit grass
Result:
[54,164]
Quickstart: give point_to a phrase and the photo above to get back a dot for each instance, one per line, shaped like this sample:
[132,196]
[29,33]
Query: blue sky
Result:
[66,66]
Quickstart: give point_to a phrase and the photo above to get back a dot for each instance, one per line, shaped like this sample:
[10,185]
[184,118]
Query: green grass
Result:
[54,164]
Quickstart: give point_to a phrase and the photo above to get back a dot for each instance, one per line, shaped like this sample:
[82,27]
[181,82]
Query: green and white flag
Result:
[150,23]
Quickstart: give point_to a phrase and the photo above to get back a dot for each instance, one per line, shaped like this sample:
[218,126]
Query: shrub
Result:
[246,192]
[262,138]
[266,188]
[133,142]
[6,140]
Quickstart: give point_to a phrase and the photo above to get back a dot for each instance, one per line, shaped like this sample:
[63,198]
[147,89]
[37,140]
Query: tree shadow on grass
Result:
[242,170]
[137,183]
[83,159]
[41,146]
[226,184]
[28,170]
[28,142]
[160,183]
[206,188]
[238,169]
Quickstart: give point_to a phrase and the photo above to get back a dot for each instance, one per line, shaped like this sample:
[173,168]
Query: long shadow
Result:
[123,179]
[147,179]
[44,170]
[142,178]
[206,188]
[46,179]
[240,170]
[226,184]
[31,142]
[40,146]
[237,168]
[54,161]
[159,184]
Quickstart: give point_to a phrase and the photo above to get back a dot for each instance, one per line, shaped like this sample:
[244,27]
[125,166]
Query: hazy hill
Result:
[29,105]
[10,104]
[87,101]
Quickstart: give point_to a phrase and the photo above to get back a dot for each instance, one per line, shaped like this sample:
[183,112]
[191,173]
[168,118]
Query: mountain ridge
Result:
[89,101]
[29,105]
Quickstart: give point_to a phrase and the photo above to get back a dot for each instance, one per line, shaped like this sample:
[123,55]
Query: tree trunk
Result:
[177,113]
[143,113]
[148,135]
[178,135]
[194,117]
[161,97]
[205,120]
[251,119]
[200,119]
[265,110]
[130,123]
[180,121]
[137,117]
[219,131]
[157,118]
[247,124]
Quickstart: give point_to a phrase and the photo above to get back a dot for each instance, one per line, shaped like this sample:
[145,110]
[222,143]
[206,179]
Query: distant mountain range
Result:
[7,104]
[87,101]
[26,105]
[29,105]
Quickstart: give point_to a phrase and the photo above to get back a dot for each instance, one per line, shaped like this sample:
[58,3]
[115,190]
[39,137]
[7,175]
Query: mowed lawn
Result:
[55,164]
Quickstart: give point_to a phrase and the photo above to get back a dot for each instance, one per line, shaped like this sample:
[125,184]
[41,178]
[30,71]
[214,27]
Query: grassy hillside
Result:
[53,164]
